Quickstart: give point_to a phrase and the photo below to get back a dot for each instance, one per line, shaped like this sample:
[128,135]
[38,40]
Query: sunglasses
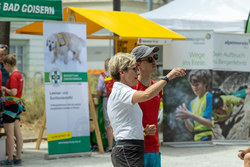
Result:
[150,59]
[2,46]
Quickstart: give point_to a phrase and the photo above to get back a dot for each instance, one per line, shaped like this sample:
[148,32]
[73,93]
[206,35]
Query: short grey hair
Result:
[121,61]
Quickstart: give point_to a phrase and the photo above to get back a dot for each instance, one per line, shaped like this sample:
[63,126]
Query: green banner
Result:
[73,145]
[31,9]
[66,77]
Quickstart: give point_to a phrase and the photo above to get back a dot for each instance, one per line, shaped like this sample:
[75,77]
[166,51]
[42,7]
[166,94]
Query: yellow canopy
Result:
[126,25]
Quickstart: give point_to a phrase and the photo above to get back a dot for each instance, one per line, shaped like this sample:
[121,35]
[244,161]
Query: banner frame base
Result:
[207,143]
[69,155]
[231,142]
[189,144]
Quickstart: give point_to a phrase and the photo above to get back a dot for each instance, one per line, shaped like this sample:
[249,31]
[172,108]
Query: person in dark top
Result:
[4,50]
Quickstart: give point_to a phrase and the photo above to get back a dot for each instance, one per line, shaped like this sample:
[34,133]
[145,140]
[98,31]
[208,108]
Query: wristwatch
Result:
[164,78]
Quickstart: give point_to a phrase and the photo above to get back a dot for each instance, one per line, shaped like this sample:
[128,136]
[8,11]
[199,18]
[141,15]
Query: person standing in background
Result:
[104,87]
[4,50]
[12,111]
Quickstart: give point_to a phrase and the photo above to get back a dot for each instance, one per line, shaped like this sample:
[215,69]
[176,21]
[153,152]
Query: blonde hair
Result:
[10,59]
[121,61]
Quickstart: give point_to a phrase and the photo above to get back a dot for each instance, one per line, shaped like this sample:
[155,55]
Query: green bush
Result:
[34,100]
[93,79]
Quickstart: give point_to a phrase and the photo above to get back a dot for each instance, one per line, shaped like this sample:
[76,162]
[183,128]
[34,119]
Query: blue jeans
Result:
[152,159]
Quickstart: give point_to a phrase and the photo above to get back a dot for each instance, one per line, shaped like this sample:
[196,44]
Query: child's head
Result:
[9,62]
[199,80]
[10,59]
[219,106]
[217,102]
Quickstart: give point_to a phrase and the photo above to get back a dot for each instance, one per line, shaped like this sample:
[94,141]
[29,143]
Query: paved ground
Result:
[215,156]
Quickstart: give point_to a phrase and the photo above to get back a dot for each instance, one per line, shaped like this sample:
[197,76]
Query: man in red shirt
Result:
[146,62]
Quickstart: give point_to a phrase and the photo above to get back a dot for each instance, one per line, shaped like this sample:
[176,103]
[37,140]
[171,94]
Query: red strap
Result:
[103,74]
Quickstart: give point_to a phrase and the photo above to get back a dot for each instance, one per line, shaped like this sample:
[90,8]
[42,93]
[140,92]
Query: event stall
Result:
[126,25]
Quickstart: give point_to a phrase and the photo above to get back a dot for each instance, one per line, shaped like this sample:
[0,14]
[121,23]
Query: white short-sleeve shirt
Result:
[125,117]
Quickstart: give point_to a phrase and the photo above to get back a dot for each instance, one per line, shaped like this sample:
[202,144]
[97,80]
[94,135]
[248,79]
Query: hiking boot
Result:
[17,162]
[6,163]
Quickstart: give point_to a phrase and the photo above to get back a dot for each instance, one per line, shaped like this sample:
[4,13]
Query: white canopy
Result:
[217,15]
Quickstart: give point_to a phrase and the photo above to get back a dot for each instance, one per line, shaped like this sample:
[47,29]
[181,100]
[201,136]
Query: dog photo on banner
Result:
[64,49]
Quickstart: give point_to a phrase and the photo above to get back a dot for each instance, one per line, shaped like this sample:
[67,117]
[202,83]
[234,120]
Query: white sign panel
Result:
[231,52]
[193,53]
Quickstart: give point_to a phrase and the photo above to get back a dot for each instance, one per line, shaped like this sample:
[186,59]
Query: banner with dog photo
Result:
[66,87]
[212,102]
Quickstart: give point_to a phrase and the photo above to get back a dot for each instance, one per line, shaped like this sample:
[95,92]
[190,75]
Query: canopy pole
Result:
[150,5]
[71,17]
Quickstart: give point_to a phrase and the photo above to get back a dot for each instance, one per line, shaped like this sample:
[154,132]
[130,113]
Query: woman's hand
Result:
[176,72]
[3,88]
[150,130]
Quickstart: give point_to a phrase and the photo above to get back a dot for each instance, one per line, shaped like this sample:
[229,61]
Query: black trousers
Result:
[128,154]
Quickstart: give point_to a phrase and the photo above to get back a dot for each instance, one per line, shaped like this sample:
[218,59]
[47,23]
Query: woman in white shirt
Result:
[124,112]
